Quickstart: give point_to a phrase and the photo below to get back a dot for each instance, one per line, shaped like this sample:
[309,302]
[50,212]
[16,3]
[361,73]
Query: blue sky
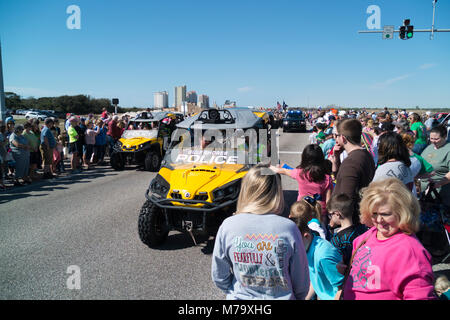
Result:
[252,52]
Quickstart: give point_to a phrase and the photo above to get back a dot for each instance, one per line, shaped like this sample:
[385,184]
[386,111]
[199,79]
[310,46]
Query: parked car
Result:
[35,115]
[21,112]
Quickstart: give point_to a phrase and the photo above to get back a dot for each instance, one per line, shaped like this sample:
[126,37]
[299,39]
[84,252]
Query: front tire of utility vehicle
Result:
[152,225]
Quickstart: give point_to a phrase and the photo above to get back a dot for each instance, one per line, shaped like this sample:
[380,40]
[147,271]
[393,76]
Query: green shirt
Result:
[73,134]
[421,137]
[426,167]
[440,160]
[33,140]
[320,137]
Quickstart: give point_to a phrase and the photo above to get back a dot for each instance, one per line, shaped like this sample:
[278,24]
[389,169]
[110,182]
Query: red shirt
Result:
[113,130]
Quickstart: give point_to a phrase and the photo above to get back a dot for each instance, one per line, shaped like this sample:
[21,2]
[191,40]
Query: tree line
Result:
[79,104]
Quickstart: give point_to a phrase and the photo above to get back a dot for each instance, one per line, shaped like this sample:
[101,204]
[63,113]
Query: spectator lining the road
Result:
[20,151]
[309,206]
[442,287]
[3,153]
[257,253]
[393,160]
[73,145]
[312,177]
[113,133]
[100,142]
[340,208]
[322,256]
[33,142]
[357,169]
[48,143]
[438,155]
[420,133]
[389,262]
[90,142]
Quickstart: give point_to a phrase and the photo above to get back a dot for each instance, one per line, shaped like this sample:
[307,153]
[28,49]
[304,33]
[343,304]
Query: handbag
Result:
[340,293]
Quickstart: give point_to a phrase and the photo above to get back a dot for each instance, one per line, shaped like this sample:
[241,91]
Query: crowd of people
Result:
[35,145]
[352,233]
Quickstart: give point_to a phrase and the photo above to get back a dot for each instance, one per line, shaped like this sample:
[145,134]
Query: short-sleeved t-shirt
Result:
[343,240]
[394,169]
[72,134]
[322,260]
[440,160]
[33,140]
[47,133]
[310,188]
[421,132]
[426,167]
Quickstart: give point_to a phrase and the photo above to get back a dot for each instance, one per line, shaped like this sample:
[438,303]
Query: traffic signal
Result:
[409,32]
[402,32]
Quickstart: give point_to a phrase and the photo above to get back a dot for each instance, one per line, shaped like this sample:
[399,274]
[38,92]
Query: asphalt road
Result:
[89,220]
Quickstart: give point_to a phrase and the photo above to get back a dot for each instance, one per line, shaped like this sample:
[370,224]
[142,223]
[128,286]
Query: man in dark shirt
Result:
[358,169]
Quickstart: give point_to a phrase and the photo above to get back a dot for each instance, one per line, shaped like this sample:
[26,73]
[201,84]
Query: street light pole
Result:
[2,89]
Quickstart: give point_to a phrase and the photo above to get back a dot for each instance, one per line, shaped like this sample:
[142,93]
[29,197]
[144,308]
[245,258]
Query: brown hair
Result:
[408,139]
[342,203]
[351,129]
[302,212]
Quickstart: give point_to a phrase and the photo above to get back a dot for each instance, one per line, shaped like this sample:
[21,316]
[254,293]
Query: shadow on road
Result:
[59,183]
[178,241]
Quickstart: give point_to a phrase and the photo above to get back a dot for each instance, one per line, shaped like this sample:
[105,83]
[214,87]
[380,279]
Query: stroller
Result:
[434,224]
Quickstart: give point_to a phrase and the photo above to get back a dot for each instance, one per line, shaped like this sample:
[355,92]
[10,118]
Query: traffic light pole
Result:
[415,30]
[432,25]
[2,89]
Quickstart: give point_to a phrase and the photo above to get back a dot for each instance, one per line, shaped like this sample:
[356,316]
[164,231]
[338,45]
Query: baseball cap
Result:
[9,119]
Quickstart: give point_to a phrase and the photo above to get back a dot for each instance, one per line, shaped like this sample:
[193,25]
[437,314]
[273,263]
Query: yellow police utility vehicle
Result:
[144,141]
[199,181]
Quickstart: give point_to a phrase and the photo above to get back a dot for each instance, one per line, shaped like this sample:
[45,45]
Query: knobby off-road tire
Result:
[117,162]
[152,225]
[152,161]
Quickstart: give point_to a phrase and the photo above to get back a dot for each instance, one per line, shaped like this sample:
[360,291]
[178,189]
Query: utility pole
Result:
[2,89]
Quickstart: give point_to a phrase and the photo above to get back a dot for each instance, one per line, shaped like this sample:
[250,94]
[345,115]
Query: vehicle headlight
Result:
[228,191]
[159,186]
[285,122]
[118,145]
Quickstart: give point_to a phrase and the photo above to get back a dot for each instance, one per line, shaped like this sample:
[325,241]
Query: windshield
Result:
[214,147]
[296,116]
[150,134]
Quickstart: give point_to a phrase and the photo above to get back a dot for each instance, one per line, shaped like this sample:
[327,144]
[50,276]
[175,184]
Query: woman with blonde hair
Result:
[389,262]
[259,254]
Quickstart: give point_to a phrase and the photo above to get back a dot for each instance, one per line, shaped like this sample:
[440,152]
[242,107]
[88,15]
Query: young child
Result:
[442,287]
[60,149]
[340,208]
[90,142]
[312,136]
[312,177]
[322,256]
[309,206]
[320,137]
